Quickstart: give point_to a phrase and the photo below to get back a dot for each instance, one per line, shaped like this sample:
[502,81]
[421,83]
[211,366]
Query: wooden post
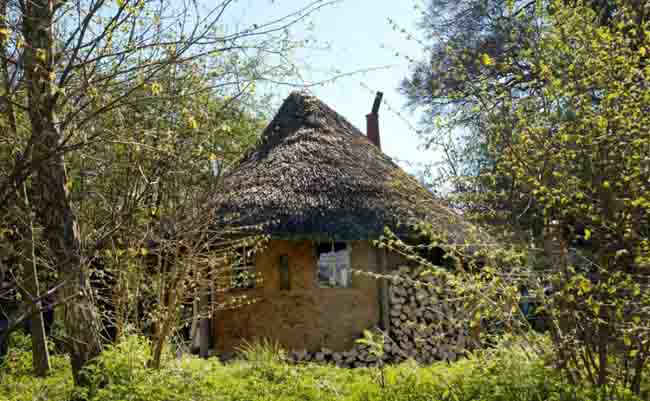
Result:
[213,313]
[204,322]
[194,329]
[384,308]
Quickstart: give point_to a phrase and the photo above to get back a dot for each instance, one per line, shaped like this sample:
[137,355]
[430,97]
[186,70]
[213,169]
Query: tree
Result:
[147,201]
[579,152]
[66,64]
[24,224]
[458,94]
[575,144]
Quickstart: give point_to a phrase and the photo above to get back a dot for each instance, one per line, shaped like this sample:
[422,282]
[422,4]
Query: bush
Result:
[17,382]
[506,373]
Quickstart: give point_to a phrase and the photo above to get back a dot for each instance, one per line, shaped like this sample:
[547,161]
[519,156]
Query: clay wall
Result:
[306,316]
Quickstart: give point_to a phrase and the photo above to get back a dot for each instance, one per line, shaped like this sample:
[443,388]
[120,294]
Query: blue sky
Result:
[360,37]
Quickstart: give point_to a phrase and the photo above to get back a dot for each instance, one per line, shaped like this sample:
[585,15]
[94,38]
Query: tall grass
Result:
[506,373]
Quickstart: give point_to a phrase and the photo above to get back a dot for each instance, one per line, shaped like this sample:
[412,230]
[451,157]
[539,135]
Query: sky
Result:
[360,37]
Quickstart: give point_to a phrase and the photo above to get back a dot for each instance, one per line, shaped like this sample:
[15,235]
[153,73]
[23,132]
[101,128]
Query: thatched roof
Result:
[314,175]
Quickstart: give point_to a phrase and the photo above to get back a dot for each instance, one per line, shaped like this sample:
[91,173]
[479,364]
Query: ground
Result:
[500,374]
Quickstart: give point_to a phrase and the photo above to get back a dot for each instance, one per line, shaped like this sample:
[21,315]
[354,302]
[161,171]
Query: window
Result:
[333,267]
[285,273]
[243,273]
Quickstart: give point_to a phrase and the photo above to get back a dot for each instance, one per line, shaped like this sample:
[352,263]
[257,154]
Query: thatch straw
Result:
[316,176]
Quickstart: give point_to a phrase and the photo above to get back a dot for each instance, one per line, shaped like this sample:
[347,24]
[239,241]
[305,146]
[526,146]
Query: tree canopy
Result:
[553,97]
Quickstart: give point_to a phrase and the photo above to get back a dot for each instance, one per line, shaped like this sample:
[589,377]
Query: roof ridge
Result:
[303,109]
[314,173]
[307,104]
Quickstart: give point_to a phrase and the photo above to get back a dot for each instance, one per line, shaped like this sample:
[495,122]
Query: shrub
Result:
[17,382]
[508,372]
[263,351]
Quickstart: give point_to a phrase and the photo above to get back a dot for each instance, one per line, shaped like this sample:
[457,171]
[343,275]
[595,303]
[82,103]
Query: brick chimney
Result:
[372,121]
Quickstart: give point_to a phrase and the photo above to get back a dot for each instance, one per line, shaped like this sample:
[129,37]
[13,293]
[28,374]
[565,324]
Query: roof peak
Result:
[304,112]
[316,175]
[304,93]
[305,108]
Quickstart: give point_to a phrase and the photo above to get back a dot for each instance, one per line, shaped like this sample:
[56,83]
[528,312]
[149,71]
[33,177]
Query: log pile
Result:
[425,325]
[359,356]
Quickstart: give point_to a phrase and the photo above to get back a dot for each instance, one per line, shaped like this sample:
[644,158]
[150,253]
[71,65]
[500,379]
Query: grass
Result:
[503,374]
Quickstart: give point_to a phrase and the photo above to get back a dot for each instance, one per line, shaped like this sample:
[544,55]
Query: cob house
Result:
[322,192]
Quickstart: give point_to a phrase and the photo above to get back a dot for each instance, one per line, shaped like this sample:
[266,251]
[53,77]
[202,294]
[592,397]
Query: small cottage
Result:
[322,191]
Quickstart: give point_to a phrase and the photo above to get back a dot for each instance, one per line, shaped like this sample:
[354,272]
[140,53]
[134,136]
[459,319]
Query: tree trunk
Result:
[165,330]
[40,354]
[169,300]
[204,329]
[49,193]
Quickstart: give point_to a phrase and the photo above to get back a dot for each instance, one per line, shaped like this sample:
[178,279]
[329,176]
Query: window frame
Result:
[333,268]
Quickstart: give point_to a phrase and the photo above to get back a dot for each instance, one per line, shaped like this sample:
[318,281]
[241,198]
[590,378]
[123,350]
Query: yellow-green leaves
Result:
[486,59]
[4,34]
[155,88]
[566,141]
[192,123]
[544,70]
[584,286]
[41,55]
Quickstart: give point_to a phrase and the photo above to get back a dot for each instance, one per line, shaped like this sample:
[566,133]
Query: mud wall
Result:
[304,317]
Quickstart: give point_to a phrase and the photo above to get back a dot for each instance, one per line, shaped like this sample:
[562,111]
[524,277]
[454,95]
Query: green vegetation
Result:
[501,374]
[555,97]
[117,130]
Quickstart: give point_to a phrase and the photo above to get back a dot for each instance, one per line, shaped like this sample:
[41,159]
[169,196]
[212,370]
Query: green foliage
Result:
[20,342]
[563,120]
[576,147]
[262,352]
[17,380]
[122,363]
[374,341]
[506,373]
[149,113]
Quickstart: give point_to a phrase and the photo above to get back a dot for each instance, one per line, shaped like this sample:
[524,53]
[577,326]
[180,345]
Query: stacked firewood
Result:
[427,323]
[359,356]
